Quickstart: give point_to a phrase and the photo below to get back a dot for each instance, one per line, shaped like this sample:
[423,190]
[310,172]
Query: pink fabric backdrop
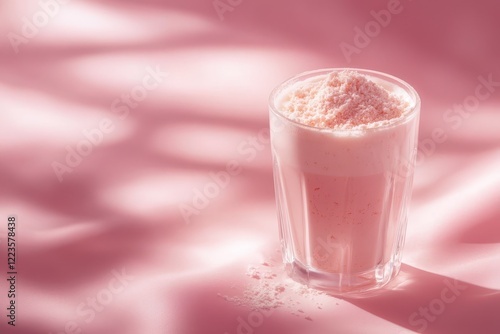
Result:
[74,71]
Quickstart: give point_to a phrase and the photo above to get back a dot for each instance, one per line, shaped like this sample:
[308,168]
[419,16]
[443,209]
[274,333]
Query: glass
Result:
[342,195]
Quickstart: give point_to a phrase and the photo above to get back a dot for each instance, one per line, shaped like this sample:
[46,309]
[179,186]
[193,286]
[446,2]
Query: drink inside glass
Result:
[344,145]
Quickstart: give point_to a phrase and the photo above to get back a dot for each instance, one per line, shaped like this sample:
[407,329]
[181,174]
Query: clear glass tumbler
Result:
[342,195]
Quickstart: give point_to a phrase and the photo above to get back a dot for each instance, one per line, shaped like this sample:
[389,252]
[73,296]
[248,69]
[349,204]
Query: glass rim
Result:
[409,90]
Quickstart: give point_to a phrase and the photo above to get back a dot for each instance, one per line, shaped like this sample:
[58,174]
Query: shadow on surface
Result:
[430,303]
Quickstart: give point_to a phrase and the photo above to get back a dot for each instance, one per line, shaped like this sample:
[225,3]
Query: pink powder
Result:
[342,100]
[271,289]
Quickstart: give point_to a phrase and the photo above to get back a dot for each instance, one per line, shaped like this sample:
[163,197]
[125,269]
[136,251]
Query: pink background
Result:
[118,209]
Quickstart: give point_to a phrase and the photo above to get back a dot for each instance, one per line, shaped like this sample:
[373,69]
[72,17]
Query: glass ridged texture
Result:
[342,195]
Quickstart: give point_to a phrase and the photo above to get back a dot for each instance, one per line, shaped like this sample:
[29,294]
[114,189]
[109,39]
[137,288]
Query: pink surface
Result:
[171,196]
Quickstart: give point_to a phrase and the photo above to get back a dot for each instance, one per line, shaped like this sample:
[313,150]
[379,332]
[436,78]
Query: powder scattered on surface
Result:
[270,288]
[342,100]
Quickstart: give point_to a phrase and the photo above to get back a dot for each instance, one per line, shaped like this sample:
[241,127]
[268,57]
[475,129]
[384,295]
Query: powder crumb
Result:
[273,290]
[342,100]
[269,275]
[280,289]
[234,300]
[308,318]
[253,272]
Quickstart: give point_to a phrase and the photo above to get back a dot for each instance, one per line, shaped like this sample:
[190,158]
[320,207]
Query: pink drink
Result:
[343,149]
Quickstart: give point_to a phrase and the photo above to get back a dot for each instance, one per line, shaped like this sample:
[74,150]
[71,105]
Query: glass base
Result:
[344,284]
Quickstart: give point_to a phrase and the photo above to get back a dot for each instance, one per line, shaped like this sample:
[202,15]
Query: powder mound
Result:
[342,100]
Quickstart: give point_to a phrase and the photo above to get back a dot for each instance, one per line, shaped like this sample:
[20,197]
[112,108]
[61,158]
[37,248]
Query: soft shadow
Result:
[425,302]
